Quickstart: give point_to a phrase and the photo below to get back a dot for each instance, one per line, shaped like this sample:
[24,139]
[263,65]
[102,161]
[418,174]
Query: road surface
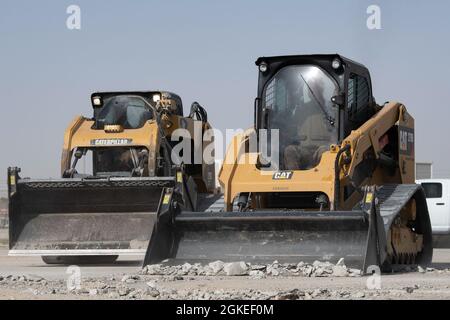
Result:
[124,280]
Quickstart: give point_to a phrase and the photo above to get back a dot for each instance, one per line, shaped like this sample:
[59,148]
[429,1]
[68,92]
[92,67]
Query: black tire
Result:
[78,260]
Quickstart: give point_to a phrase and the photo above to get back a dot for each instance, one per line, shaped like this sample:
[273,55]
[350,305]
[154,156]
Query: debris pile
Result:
[156,282]
[144,289]
[240,268]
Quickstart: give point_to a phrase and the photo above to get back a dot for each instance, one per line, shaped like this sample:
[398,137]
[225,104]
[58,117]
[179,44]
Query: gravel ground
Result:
[28,278]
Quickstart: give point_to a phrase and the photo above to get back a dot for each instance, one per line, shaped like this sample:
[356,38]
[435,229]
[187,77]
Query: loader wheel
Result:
[79,260]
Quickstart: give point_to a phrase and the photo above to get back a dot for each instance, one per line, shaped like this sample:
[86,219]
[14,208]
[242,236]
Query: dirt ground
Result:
[30,278]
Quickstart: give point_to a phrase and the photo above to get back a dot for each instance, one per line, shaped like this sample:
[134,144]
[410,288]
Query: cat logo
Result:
[282,175]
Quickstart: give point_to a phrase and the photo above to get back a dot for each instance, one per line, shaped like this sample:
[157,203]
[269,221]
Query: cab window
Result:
[358,100]
[432,190]
[127,111]
[358,95]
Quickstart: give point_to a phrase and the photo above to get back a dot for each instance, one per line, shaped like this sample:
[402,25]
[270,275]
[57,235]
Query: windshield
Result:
[299,102]
[108,161]
[129,112]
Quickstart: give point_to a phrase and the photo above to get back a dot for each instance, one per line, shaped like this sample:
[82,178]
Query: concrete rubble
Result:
[241,268]
[153,282]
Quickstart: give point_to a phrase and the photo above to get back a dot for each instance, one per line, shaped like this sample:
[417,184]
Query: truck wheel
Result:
[79,259]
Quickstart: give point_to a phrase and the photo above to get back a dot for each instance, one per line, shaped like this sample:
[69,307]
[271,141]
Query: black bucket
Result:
[84,216]
[265,236]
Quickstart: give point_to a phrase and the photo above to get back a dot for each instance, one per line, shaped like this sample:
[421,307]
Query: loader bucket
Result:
[269,236]
[265,236]
[83,217]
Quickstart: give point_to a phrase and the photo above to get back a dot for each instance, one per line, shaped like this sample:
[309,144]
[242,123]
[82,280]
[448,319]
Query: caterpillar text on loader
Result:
[116,170]
[343,185]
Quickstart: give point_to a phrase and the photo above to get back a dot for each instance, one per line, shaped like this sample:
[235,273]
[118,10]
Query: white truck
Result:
[437,192]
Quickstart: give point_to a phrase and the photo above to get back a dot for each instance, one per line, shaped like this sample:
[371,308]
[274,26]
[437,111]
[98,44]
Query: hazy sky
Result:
[205,51]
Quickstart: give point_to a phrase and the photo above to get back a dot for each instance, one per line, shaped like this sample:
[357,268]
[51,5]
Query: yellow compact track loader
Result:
[339,184]
[115,170]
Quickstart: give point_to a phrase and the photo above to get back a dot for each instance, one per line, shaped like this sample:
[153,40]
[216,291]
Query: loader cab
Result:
[313,101]
[130,110]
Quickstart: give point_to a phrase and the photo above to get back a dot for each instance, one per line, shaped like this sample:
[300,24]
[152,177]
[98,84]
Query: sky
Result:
[205,52]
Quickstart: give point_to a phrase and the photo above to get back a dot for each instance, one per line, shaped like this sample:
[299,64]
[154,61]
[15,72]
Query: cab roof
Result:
[308,57]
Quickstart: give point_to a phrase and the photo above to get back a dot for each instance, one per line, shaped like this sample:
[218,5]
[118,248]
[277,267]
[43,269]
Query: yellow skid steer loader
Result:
[339,182]
[115,170]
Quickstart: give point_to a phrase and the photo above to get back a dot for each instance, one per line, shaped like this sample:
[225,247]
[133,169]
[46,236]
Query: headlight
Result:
[263,67]
[336,64]
[156,97]
[97,101]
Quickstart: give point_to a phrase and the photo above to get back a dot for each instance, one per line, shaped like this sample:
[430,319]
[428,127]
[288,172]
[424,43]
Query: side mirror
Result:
[338,99]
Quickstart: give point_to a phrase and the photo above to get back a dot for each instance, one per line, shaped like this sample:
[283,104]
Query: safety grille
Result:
[161,183]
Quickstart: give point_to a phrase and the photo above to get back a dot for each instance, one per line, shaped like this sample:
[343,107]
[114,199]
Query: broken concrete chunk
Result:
[235,268]
[186,268]
[339,271]
[152,292]
[341,262]
[216,266]
[153,269]
[34,278]
[359,295]
[93,292]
